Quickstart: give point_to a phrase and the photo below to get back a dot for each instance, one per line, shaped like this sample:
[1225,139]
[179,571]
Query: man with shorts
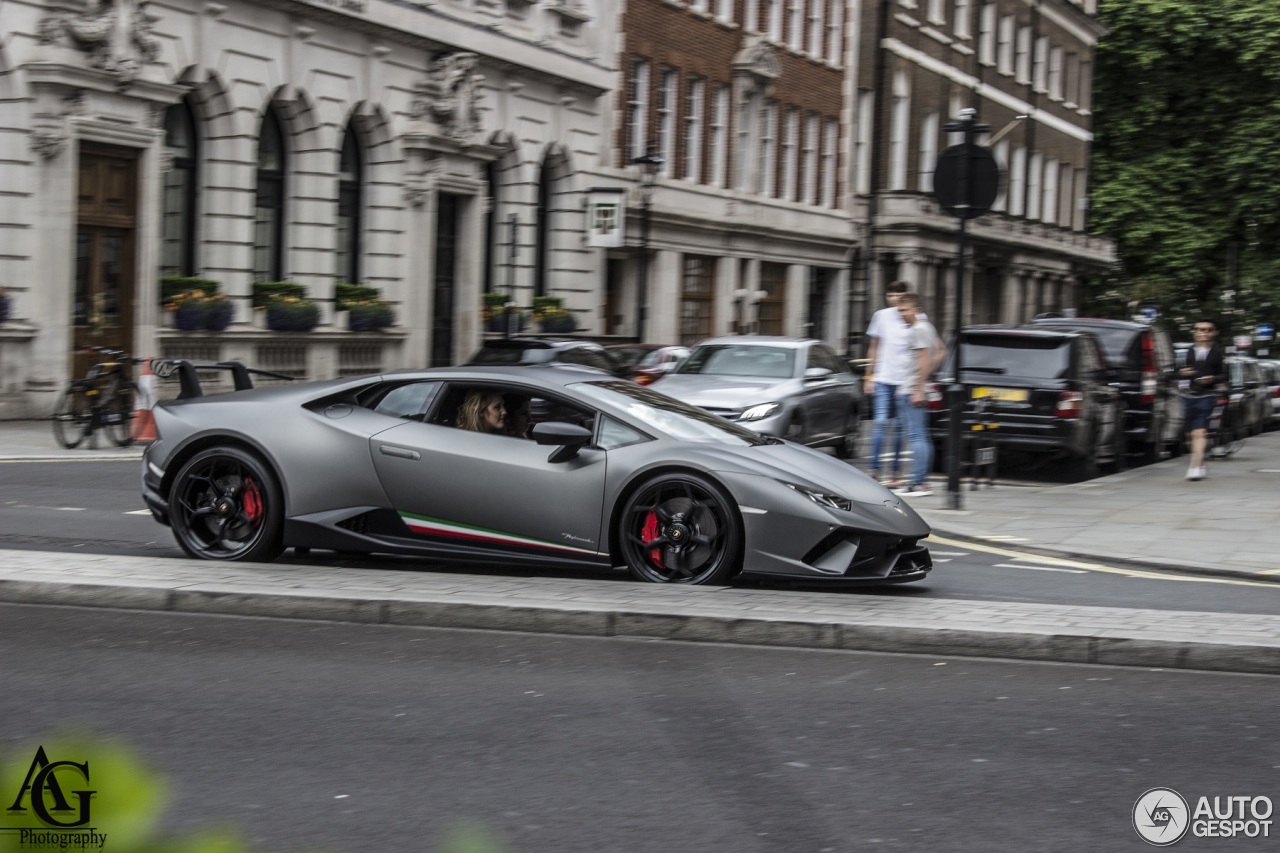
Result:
[1202,371]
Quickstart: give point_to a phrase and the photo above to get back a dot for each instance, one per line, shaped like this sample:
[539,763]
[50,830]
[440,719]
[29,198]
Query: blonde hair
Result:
[471,412]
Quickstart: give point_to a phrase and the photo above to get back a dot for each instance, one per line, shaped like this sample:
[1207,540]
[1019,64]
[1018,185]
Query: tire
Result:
[72,418]
[1089,468]
[225,504]
[1120,447]
[847,447]
[680,529]
[117,416]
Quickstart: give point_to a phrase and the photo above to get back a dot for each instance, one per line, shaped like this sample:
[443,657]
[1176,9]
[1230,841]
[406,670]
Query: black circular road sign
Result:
[969,198]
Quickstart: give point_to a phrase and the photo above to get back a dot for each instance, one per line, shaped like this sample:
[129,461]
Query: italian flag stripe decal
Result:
[440,527]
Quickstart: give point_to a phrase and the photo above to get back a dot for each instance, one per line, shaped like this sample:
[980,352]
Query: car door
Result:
[1101,396]
[822,398]
[484,492]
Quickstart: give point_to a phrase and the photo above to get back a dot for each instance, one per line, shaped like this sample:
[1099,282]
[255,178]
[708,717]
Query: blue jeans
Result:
[916,419]
[882,406]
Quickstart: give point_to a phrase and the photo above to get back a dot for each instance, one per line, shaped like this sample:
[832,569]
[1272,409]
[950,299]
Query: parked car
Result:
[611,474]
[1047,390]
[1144,368]
[794,388]
[648,363]
[514,351]
[1271,375]
[1248,394]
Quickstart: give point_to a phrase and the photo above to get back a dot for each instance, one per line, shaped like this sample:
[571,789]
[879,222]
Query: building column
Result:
[1011,310]
[662,317]
[797,296]
[724,306]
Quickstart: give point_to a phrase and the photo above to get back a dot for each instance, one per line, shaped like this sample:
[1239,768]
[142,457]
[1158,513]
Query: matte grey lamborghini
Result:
[609,473]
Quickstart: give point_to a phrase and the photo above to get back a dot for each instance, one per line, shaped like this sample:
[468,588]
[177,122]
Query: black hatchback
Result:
[1144,368]
[1047,392]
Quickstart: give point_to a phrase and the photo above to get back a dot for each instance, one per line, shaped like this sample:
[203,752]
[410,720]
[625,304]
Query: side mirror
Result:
[568,439]
[816,374]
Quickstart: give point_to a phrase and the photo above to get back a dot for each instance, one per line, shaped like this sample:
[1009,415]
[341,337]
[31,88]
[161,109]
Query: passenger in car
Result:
[517,415]
[483,411]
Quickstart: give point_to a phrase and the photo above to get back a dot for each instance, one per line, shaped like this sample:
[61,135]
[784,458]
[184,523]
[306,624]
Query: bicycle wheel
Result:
[116,417]
[73,417]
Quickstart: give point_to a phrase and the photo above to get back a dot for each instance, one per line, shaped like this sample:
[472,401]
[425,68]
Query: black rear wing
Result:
[189,377]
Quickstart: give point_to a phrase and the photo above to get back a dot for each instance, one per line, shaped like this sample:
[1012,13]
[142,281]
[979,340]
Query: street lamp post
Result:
[649,164]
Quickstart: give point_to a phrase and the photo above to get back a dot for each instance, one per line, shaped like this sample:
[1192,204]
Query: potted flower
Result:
[369,315]
[558,320]
[218,313]
[501,317]
[292,314]
[187,310]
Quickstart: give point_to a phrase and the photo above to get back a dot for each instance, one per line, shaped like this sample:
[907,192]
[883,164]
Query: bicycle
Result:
[102,400]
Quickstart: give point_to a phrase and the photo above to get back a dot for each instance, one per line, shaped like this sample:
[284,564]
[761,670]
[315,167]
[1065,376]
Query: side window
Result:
[408,401]
[831,361]
[815,359]
[1089,361]
[614,434]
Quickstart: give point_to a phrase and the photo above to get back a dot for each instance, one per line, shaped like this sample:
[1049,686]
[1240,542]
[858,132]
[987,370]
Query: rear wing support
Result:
[189,376]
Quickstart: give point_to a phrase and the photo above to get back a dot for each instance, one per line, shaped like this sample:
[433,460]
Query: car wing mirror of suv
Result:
[817,374]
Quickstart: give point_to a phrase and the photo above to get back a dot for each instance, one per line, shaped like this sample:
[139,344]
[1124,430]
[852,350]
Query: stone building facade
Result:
[1025,66]
[430,150]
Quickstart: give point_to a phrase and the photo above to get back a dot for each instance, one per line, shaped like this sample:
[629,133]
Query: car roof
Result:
[536,343]
[1023,331]
[551,373]
[1087,322]
[770,340]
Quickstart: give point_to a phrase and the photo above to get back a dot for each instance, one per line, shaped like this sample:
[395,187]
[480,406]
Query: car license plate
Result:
[1003,395]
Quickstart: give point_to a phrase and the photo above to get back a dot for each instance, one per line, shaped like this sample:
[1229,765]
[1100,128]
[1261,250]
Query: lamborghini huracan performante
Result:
[607,473]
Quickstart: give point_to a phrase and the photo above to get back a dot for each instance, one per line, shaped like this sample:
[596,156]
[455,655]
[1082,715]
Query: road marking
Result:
[1269,571]
[139,512]
[1095,567]
[37,506]
[950,553]
[1005,538]
[1041,568]
[46,459]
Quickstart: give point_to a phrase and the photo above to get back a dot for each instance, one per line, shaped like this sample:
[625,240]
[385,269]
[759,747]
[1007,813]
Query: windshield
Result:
[1014,355]
[631,356]
[669,417]
[741,360]
[1115,341]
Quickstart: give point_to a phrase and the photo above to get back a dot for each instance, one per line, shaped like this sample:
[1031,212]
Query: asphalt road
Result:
[95,507]
[354,738]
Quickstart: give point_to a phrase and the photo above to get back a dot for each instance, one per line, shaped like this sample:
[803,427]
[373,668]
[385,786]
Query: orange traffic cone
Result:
[143,427]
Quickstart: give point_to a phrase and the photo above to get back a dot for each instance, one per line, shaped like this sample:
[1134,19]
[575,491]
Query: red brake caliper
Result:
[252,501]
[649,533]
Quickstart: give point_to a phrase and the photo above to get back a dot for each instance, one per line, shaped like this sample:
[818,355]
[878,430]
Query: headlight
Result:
[821,498]
[763,410]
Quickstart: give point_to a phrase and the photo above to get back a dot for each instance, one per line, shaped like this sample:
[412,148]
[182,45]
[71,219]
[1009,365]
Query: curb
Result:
[1096,647]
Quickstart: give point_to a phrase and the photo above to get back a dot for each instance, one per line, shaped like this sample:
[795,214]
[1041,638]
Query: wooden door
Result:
[104,301]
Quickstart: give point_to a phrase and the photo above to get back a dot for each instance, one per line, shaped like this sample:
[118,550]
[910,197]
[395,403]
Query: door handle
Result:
[399,452]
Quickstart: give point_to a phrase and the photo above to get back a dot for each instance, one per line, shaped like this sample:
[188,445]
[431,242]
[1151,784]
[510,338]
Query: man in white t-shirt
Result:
[927,352]
[890,359]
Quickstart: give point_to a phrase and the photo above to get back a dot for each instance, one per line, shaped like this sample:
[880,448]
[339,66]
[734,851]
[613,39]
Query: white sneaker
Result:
[1195,473]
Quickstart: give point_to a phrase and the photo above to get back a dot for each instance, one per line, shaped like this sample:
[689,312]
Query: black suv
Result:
[504,351]
[1145,370]
[1046,390]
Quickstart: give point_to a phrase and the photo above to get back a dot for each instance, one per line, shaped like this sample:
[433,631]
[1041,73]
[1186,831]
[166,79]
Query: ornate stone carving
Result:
[758,58]
[48,143]
[74,104]
[450,96]
[415,193]
[115,34]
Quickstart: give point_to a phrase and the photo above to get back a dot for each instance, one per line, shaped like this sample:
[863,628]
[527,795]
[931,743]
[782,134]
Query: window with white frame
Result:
[667,120]
[817,22]
[751,16]
[1080,202]
[694,108]
[830,141]
[1050,208]
[835,33]
[1071,80]
[862,142]
[1022,62]
[719,148]
[724,10]
[795,26]
[1055,74]
[790,142]
[1085,86]
[1040,65]
[1002,162]
[766,183]
[1035,185]
[638,108]
[699,5]
[937,11]
[1065,194]
[987,34]
[928,152]
[1018,181]
[809,174]
[899,128]
[962,18]
[774,9]
[1004,42]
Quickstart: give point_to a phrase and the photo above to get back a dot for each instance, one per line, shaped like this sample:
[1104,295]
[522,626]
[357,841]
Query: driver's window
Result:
[408,401]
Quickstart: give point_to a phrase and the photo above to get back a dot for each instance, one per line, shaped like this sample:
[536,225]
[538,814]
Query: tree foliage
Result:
[1186,165]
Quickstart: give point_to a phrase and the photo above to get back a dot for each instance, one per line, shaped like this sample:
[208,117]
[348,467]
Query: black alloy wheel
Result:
[682,529]
[72,417]
[847,448]
[225,504]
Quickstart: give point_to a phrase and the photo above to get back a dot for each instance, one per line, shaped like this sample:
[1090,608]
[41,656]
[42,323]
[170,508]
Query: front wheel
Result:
[72,417]
[682,529]
[225,504]
[117,415]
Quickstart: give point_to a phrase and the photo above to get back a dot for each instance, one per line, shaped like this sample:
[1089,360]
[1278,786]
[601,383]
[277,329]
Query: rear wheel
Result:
[1119,447]
[117,414]
[71,417]
[225,504]
[682,529]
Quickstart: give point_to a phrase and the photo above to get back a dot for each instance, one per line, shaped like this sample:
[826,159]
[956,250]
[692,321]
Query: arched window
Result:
[268,230]
[181,182]
[350,193]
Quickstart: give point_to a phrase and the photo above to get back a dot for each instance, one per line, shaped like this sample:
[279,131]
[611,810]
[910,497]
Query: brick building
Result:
[1025,66]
